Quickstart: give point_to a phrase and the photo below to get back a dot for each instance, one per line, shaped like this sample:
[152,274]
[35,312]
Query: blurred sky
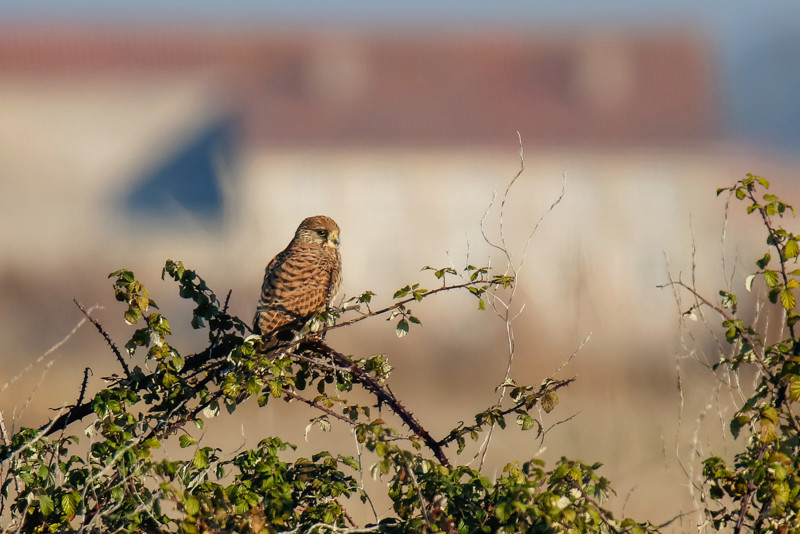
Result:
[756,44]
[717,13]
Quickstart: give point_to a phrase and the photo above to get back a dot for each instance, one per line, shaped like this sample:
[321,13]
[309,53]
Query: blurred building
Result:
[345,88]
[155,123]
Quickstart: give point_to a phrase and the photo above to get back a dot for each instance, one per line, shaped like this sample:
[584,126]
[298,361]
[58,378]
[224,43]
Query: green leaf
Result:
[142,302]
[770,413]
[402,328]
[186,441]
[200,460]
[192,506]
[773,294]
[771,278]
[400,293]
[763,262]
[69,503]
[132,316]
[794,388]
[525,421]
[46,505]
[503,511]
[768,432]
[169,380]
[787,299]
[791,249]
[737,423]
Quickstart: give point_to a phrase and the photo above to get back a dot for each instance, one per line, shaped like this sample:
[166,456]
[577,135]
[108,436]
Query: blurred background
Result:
[135,132]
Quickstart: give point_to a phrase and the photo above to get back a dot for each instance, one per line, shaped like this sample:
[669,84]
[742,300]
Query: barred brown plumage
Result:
[301,280]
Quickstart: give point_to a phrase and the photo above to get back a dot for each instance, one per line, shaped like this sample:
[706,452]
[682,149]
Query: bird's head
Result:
[319,230]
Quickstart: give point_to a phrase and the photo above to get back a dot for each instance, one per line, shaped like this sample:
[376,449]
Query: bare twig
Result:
[502,246]
[3,433]
[361,478]
[544,215]
[503,307]
[554,425]
[745,499]
[423,504]
[42,433]
[572,356]
[46,354]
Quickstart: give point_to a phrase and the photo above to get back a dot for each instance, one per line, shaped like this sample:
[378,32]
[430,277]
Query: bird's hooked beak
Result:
[333,239]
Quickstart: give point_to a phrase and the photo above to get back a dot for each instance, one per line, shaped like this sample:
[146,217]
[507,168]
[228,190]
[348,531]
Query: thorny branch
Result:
[383,395]
[80,411]
[105,335]
[82,394]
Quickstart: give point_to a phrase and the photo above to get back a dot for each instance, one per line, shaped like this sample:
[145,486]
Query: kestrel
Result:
[301,281]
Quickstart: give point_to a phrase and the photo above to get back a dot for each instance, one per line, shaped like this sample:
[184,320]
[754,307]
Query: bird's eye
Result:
[322,233]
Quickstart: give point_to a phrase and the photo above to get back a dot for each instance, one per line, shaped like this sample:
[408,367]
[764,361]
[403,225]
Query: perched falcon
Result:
[300,281]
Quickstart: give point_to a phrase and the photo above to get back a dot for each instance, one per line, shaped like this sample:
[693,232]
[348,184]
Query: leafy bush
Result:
[116,478]
[759,489]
